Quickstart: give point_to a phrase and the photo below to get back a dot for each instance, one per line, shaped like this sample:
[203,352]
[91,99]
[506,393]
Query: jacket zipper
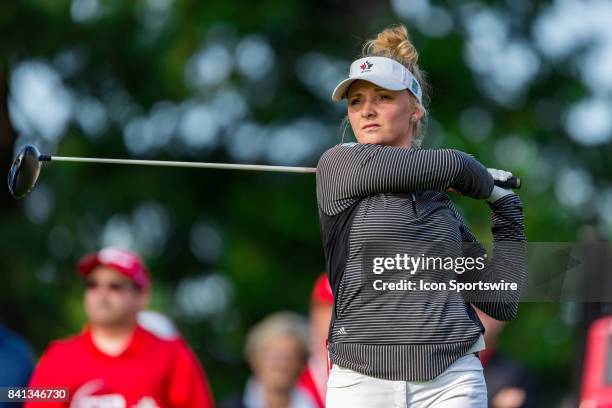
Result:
[414,207]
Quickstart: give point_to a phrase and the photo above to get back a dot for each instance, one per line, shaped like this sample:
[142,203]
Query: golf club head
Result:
[24,171]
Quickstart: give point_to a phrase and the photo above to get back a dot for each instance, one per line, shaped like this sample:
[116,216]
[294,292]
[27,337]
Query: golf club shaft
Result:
[226,166]
[513,182]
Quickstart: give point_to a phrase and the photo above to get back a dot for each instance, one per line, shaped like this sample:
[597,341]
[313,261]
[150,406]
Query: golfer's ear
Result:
[418,112]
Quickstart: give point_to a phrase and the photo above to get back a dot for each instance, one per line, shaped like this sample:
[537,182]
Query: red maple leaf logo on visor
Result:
[366,65]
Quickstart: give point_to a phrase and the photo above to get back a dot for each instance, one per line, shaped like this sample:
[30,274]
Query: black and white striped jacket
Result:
[378,200]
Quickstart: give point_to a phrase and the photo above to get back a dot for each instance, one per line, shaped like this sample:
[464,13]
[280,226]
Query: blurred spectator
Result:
[115,362]
[277,351]
[510,384]
[596,389]
[16,362]
[314,377]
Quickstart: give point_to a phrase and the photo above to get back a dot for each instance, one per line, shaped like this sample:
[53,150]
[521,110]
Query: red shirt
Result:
[151,372]
[306,383]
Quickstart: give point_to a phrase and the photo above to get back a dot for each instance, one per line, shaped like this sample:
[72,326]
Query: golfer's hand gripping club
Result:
[499,177]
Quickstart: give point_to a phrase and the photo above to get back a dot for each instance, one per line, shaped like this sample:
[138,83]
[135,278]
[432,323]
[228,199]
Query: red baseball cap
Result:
[322,291]
[123,261]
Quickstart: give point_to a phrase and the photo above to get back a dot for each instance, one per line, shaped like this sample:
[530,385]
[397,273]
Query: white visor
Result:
[382,71]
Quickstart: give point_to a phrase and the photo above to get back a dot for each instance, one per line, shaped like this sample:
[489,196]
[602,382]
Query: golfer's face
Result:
[380,116]
[111,298]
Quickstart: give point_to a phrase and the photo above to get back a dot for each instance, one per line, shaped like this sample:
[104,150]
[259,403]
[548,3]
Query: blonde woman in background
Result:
[277,350]
[385,195]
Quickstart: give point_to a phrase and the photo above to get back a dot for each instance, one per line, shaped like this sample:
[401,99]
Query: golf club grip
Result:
[513,183]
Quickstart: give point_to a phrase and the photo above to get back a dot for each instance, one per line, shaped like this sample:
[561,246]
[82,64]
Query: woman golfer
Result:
[384,216]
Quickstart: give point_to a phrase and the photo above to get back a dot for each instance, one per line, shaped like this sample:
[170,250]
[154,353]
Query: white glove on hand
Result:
[498,192]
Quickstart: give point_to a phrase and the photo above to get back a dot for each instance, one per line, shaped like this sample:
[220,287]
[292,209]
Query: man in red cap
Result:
[114,362]
[314,377]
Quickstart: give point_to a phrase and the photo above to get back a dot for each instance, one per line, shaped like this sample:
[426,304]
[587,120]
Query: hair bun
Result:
[393,42]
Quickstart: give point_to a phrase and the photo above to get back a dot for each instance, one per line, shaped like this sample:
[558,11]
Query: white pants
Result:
[462,385]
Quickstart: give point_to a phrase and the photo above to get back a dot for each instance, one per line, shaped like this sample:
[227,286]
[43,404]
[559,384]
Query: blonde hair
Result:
[278,324]
[394,42]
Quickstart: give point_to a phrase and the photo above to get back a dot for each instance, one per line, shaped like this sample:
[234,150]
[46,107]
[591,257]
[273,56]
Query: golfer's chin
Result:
[374,136]
[383,137]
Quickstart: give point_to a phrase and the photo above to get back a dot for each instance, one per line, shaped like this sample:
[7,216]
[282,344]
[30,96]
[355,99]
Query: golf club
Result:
[26,168]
